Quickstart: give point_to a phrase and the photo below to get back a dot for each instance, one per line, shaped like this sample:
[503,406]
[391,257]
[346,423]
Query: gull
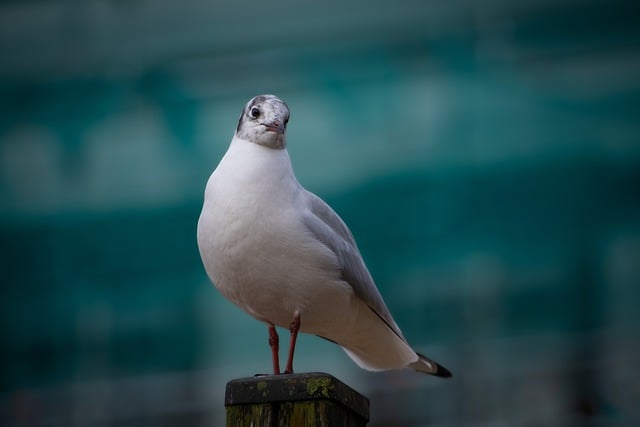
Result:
[285,257]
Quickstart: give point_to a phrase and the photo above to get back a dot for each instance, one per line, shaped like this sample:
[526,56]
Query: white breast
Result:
[253,244]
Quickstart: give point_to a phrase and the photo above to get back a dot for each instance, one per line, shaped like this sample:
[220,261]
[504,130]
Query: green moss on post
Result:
[300,400]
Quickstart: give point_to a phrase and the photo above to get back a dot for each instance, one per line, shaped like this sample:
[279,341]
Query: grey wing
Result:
[328,228]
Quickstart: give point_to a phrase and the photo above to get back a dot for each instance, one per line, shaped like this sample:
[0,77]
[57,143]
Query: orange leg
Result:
[274,343]
[294,327]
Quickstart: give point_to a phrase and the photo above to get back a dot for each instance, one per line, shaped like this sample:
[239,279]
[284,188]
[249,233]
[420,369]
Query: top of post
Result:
[295,387]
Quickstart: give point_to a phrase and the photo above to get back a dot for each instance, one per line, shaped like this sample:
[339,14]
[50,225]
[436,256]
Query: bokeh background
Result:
[486,156]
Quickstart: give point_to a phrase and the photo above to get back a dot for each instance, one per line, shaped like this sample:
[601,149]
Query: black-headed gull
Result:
[285,257]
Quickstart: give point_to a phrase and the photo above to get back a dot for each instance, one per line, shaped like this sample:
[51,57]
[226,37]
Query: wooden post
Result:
[295,400]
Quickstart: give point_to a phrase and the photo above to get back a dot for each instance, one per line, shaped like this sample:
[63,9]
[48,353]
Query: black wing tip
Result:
[442,372]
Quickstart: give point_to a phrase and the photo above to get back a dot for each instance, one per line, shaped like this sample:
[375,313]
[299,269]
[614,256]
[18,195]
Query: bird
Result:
[285,257]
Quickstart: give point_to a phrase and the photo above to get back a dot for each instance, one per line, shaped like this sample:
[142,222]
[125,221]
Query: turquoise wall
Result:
[485,155]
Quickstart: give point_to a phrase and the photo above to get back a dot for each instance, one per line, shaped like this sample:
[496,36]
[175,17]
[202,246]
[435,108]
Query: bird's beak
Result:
[276,125]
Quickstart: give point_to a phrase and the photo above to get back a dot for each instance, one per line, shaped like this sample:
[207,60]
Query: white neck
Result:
[252,168]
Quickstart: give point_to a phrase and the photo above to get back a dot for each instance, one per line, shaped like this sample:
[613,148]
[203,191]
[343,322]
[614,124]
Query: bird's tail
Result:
[431,367]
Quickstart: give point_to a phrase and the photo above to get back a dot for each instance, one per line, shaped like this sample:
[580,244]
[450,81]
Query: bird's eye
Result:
[286,121]
[254,112]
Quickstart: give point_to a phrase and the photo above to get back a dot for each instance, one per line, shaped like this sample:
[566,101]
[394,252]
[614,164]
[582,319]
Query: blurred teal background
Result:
[486,156]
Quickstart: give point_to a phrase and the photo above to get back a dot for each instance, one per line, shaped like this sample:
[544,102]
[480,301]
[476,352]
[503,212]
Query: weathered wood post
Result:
[296,400]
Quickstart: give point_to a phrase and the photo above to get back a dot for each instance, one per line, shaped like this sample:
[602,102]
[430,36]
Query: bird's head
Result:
[264,121]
